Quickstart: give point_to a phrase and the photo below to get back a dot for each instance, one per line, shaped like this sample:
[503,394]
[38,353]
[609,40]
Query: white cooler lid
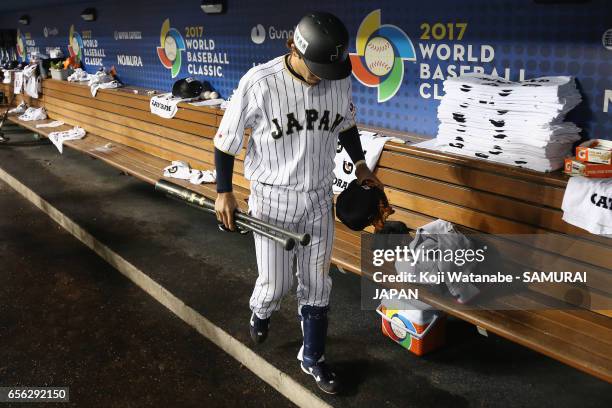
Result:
[414,310]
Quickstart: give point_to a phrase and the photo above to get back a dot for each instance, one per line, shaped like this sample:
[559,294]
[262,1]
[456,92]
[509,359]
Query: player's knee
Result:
[276,294]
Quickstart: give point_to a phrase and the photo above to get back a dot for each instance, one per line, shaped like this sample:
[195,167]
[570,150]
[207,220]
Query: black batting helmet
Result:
[322,39]
[187,88]
[358,205]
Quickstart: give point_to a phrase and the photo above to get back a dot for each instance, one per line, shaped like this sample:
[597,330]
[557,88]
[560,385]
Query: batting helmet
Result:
[361,205]
[322,39]
[187,88]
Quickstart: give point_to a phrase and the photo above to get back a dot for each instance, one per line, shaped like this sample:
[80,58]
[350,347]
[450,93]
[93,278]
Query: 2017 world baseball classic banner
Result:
[401,51]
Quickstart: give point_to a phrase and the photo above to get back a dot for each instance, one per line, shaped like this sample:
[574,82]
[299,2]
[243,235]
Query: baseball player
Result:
[300,111]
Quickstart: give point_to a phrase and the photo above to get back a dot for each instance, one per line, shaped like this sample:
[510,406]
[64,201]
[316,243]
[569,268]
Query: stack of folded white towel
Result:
[516,123]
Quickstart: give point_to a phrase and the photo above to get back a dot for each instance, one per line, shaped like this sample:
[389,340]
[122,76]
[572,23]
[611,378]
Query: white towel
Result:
[33,86]
[181,170]
[33,114]
[440,235]
[7,76]
[79,75]
[32,83]
[515,123]
[104,85]
[587,204]
[513,159]
[166,105]
[55,123]
[18,84]
[344,170]
[100,77]
[209,102]
[58,138]
[21,108]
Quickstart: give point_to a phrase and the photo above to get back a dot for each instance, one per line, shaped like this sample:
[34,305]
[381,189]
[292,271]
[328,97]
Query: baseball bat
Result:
[303,239]
[285,238]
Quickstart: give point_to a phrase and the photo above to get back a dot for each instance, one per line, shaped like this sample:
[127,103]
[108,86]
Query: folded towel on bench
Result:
[55,123]
[22,107]
[79,75]
[58,138]
[182,170]
[33,114]
[166,105]
[587,204]
[441,235]
[104,85]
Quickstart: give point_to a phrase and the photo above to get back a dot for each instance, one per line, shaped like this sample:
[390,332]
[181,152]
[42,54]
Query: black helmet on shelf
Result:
[187,88]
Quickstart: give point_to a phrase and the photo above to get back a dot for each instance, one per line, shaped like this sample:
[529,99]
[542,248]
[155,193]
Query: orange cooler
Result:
[418,328]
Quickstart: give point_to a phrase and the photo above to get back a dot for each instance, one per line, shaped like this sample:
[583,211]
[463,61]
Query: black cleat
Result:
[259,329]
[324,376]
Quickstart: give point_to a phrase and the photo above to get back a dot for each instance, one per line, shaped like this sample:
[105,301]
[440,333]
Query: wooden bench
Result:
[422,185]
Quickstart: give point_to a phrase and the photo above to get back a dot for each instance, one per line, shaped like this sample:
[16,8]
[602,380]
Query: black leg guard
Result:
[314,326]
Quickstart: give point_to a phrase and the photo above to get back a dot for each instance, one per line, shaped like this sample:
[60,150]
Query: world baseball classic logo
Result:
[381,52]
[21,52]
[171,46]
[75,44]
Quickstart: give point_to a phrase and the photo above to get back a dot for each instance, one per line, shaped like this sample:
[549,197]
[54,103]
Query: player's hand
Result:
[225,206]
[364,174]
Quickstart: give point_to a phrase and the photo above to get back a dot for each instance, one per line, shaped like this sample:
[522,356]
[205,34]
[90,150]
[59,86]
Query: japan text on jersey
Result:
[294,126]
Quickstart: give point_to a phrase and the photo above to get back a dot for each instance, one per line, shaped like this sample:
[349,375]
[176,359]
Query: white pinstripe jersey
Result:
[294,126]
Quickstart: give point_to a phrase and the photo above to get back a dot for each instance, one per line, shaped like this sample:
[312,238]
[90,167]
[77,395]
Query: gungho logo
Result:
[50,31]
[21,51]
[380,54]
[75,44]
[170,49]
[258,34]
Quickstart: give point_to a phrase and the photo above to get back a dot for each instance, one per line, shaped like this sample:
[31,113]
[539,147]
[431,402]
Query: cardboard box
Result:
[574,167]
[417,329]
[595,151]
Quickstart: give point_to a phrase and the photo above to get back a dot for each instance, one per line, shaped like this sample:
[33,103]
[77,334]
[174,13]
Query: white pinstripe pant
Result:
[297,211]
